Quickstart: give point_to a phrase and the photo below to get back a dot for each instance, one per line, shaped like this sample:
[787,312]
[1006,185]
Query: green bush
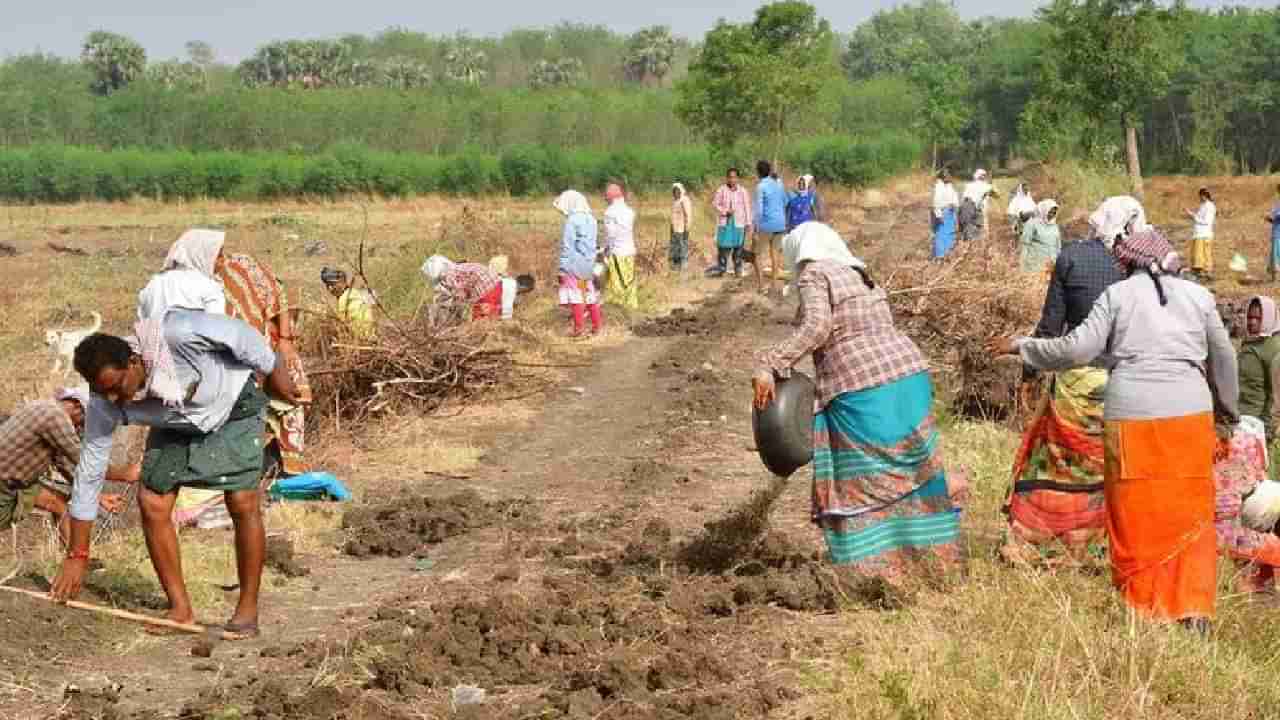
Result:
[59,173]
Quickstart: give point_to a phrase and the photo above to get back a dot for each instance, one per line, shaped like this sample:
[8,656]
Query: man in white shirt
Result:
[620,247]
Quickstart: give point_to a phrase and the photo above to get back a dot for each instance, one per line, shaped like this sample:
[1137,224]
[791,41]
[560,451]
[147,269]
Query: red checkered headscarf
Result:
[1148,250]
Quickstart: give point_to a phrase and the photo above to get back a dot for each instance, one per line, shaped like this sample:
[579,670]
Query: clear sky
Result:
[235,27]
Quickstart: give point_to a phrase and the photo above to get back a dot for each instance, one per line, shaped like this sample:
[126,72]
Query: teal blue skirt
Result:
[879,486]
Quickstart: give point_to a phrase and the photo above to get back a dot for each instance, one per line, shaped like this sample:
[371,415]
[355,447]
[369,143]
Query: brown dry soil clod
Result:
[280,558]
[709,321]
[408,525]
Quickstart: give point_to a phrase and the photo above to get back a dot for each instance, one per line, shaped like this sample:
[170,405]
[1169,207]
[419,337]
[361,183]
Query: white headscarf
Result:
[1270,317]
[816,241]
[571,202]
[808,182]
[197,250]
[1042,211]
[979,174]
[181,288]
[80,394]
[679,187]
[435,267]
[1114,215]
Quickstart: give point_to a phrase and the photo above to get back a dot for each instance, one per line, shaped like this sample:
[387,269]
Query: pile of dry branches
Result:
[406,366]
[952,309]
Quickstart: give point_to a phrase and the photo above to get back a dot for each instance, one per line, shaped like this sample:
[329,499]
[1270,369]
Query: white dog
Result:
[63,344]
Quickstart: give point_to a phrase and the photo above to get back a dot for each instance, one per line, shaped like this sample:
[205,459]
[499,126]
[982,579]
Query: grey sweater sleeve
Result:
[1076,349]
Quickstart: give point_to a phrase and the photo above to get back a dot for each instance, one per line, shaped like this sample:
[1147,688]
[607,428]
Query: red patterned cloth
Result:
[465,284]
[1147,249]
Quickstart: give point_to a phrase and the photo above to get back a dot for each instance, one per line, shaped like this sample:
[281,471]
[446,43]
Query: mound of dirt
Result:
[713,320]
[408,525]
[280,558]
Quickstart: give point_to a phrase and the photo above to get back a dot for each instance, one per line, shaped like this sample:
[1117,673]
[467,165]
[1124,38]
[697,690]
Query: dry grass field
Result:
[578,581]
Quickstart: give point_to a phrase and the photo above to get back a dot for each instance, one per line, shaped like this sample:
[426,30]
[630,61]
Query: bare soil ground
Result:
[612,548]
[612,557]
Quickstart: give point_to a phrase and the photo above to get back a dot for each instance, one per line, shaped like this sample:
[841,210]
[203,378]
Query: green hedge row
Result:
[55,174]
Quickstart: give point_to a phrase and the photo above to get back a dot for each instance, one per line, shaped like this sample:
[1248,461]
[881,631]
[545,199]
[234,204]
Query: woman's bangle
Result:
[78,554]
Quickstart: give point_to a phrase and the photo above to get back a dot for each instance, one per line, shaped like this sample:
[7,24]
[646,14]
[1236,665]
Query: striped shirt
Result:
[849,329]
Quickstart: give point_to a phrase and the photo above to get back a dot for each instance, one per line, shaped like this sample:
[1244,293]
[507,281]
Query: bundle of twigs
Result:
[951,309]
[414,365]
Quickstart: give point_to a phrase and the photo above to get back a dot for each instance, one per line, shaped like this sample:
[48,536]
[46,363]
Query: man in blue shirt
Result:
[770,224]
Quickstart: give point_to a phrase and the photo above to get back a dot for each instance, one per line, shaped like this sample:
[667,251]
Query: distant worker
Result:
[770,225]
[1273,260]
[1241,463]
[804,205]
[944,206]
[577,261]
[973,206]
[1202,219]
[462,291]
[1022,208]
[1041,240]
[732,204]
[512,287]
[620,247]
[355,305]
[681,223]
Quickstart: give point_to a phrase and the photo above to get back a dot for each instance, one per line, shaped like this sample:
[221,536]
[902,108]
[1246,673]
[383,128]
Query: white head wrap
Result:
[435,267]
[1261,510]
[1043,208]
[197,250]
[816,241]
[679,187]
[1114,215]
[80,394]
[571,202]
[979,174]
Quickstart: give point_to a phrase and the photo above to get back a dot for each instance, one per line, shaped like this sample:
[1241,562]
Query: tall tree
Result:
[748,80]
[114,59]
[893,42]
[649,55]
[1115,57]
[944,88]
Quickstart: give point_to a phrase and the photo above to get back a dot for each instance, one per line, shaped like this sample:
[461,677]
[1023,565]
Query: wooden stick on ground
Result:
[122,614]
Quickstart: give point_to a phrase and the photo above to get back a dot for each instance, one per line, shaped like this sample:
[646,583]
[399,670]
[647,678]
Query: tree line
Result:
[1157,85]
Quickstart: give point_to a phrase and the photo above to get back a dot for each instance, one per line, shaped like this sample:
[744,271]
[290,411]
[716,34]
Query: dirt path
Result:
[576,578]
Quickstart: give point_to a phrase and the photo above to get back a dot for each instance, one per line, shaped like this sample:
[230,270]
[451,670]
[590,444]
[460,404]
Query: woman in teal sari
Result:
[880,490]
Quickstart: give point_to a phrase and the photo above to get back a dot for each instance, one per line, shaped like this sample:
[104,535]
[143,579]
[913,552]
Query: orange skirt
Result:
[1160,504]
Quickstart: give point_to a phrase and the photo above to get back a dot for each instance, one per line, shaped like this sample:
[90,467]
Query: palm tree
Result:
[466,63]
[649,55]
[560,73]
[176,75]
[115,60]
